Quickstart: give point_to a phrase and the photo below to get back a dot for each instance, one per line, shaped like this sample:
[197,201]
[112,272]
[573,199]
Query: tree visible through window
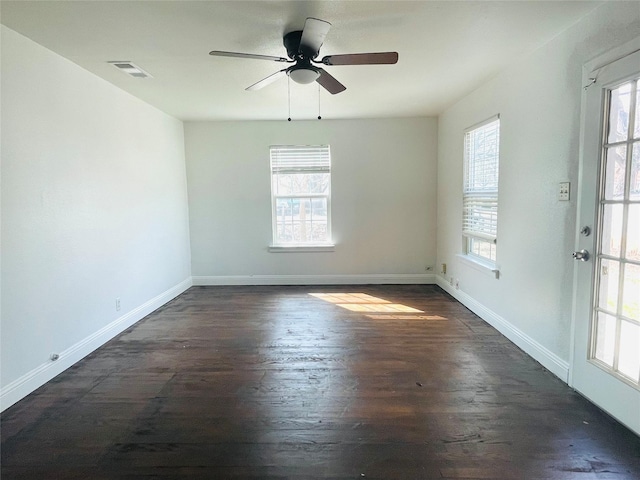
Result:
[480,195]
[300,194]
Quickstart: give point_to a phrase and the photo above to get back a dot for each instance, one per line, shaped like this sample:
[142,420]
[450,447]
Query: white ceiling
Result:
[446,49]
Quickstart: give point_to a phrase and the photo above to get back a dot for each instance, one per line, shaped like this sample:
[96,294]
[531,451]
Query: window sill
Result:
[301,248]
[487,268]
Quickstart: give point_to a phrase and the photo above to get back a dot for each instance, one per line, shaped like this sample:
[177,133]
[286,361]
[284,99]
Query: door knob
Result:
[582,255]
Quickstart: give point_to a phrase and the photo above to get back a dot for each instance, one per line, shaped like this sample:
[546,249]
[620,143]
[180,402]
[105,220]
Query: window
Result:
[301,195]
[480,195]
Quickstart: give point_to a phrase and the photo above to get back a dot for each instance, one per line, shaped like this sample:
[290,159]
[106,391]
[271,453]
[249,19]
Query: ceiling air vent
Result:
[130,68]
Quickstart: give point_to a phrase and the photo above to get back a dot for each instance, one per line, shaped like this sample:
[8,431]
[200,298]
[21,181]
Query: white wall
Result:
[94,207]
[383,200]
[538,100]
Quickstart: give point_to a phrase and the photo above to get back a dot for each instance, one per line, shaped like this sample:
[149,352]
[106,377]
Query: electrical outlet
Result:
[564,191]
[118,304]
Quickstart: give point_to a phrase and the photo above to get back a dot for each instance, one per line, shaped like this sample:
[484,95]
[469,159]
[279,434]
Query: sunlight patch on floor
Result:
[406,317]
[376,308]
[348,298]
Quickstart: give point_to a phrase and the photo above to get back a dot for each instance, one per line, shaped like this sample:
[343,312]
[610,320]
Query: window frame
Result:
[321,167]
[487,199]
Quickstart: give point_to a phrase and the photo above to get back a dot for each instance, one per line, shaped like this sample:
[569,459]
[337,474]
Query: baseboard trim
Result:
[537,351]
[23,386]
[315,279]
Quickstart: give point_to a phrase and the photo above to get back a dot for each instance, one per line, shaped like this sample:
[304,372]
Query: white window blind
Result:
[291,159]
[480,195]
[300,191]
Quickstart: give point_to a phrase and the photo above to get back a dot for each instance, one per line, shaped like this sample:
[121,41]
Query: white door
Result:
[606,357]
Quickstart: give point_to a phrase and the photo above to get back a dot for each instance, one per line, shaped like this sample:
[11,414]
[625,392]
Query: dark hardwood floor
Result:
[274,383]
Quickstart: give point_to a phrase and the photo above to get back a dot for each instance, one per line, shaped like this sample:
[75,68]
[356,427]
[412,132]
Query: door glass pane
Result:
[616,158]
[634,193]
[605,338]
[633,233]
[619,113]
[609,281]
[629,361]
[636,130]
[631,292]
[612,229]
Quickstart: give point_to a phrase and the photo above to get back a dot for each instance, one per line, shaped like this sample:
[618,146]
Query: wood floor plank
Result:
[275,383]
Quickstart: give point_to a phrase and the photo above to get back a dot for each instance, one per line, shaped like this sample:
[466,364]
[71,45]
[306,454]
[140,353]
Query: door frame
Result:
[585,147]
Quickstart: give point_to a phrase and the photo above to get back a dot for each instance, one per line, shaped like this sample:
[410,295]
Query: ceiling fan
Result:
[303,47]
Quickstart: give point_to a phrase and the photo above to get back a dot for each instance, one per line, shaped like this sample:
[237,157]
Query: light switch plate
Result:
[564,191]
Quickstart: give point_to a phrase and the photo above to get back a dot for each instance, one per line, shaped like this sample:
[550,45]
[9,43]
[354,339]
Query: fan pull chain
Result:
[289,96]
[319,116]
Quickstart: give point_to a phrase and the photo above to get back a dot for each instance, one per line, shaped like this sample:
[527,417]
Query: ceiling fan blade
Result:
[217,53]
[268,80]
[382,58]
[313,35]
[332,85]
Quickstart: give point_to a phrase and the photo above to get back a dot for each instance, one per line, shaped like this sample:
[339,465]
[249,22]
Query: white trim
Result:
[482,123]
[537,351]
[391,278]
[23,386]
[479,264]
[301,248]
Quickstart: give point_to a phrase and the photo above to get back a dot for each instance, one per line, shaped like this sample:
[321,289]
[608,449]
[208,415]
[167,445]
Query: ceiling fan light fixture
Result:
[303,47]
[304,75]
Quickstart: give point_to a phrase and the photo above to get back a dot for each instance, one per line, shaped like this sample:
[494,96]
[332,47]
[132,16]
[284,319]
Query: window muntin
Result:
[301,195]
[480,190]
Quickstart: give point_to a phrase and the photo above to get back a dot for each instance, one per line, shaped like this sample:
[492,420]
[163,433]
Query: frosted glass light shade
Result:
[304,75]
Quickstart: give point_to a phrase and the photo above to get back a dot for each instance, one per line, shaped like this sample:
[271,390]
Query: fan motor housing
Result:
[292,43]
